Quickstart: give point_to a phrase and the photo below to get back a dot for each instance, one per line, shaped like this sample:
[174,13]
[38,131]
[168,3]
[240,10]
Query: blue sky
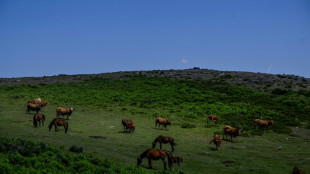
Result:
[40,38]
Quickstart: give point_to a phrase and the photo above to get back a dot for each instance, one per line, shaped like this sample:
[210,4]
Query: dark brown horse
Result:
[163,139]
[172,160]
[297,171]
[213,118]
[126,124]
[33,107]
[38,118]
[162,121]
[152,154]
[59,122]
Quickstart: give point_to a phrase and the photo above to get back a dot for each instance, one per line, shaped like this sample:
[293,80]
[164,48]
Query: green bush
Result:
[76,149]
[187,125]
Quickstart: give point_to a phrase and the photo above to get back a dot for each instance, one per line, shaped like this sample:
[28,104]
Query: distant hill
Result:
[258,81]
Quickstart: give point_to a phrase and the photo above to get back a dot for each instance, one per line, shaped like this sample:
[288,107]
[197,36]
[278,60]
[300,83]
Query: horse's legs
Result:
[165,167]
[172,146]
[56,129]
[150,163]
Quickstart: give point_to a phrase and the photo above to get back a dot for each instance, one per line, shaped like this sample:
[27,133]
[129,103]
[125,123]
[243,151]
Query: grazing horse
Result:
[33,107]
[233,132]
[42,103]
[263,123]
[64,111]
[131,127]
[152,154]
[38,118]
[213,118]
[163,139]
[126,124]
[217,140]
[162,121]
[172,160]
[297,171]
[59,122]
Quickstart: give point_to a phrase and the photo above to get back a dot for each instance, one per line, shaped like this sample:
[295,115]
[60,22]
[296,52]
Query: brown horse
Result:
[43,103]
[172,160]
[217,140]
[59,122]
[126,124]
[263,123]
[163,139]
[38,118]
[297,171]
[162,121]
[64,111]
[233,132]
[33,107]
[131,127]
[213,118]
[152,154]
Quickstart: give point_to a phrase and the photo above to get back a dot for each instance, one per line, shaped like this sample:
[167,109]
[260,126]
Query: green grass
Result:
[100,105]
[270,153]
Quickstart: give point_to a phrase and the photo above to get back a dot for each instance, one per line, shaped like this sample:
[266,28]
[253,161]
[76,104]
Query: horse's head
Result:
[139,160]
[271,122]
[239,131]
[168,122]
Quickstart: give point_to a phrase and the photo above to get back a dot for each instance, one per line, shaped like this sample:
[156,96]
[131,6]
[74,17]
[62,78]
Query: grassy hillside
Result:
[181,99]
[100,104]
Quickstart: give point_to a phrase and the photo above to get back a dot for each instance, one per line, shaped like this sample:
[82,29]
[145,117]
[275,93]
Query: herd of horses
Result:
[150,154]
[37,104]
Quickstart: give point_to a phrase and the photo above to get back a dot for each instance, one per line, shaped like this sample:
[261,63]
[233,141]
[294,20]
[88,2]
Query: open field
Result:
[270,153]
[100,105]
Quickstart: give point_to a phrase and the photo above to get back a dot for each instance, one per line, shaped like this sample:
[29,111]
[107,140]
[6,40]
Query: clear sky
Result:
[40,37]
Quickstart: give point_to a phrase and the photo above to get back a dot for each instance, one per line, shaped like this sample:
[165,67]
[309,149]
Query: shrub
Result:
[76,149]
[187,125]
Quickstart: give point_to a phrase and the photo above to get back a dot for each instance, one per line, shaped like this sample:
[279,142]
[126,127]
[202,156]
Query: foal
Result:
[172,160]
[163,139]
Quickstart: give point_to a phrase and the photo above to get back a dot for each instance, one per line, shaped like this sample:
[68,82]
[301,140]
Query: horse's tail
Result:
[43,117]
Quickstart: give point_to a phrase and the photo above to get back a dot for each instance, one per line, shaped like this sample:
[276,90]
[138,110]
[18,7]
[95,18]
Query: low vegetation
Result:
[101,103]
[20,156]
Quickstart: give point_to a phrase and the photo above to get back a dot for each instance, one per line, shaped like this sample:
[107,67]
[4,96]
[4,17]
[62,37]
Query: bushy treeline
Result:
[20,156]
[183,99]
